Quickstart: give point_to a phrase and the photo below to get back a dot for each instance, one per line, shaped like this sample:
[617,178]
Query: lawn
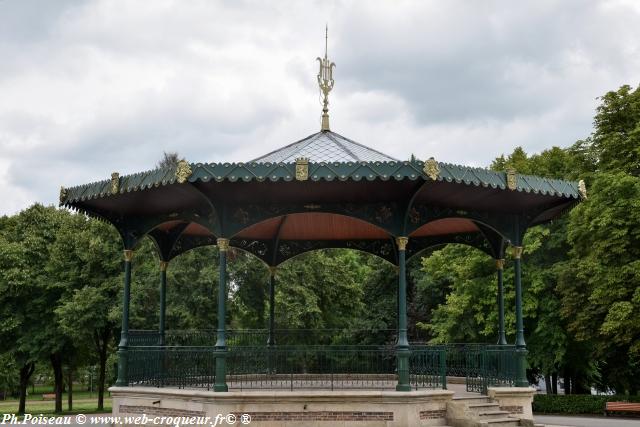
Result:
[83,402]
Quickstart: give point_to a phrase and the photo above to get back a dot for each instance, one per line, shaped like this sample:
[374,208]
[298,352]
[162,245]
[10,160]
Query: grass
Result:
[34,406]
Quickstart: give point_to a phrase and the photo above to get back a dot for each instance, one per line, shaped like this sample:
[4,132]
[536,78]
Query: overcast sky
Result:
[87,88]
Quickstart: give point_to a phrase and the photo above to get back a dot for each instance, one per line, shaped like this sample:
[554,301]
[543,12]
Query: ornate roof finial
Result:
[325,81]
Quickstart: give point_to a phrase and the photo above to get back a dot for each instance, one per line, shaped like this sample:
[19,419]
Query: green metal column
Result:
[502,339]
[272,306]
[521,346]
[221,347]
[163,300]
[402,347]
[123,359]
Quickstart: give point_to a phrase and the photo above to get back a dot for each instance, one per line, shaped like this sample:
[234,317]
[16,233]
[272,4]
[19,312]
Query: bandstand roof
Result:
[263,205]
[323,191]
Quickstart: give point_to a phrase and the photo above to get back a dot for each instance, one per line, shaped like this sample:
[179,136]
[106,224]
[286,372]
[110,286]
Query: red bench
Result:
[621,407]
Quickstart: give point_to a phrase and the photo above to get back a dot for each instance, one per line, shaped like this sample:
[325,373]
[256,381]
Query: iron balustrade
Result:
[257,337]
[181,367]
[311,367]
[311,359]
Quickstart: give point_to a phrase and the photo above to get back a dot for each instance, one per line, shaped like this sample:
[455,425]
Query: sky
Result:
[89,88]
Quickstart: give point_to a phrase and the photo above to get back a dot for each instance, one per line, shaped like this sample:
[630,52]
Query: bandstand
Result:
[323,191]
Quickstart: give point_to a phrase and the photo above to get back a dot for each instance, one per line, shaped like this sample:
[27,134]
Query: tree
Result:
[28,324]
[89,315]
[168,160]
[600,284]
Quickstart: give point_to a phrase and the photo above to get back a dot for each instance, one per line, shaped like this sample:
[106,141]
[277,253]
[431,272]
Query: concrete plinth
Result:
[515,400]
[286,408]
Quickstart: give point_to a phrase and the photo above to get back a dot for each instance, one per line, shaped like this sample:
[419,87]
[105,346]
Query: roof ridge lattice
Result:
[325,146]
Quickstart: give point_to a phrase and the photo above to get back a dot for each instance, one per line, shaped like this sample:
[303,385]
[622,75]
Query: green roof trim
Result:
[341,171]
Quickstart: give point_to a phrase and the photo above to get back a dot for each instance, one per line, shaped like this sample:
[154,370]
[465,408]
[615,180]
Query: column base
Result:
[221,387]
[403,387]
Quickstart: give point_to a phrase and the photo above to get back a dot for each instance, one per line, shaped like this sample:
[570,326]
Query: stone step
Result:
[477,408]
[501,422]
[472,399]
[487,415]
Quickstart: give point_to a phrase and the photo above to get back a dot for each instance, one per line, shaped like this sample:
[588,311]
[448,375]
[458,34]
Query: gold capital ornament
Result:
[516,252]
[402,243]
[164,265]
[272,270]
[431,168]
[499,264]
[223,244]
[128,255]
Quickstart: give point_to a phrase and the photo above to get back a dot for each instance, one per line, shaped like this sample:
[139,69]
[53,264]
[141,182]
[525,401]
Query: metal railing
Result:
[258,337]
[306,359]
[181,367]
[311,367]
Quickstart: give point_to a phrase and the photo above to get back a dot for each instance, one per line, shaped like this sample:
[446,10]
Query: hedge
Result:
[576,403]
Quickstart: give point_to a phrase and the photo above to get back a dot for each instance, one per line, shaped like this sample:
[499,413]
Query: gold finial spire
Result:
[325,80]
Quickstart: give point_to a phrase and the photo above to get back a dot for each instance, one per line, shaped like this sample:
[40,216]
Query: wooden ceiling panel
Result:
[446,226]
[314,226]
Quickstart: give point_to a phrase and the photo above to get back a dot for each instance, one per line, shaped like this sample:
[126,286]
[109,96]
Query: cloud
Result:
[87,88]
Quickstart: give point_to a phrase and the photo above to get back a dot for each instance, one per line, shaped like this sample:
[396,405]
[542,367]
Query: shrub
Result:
[576,403]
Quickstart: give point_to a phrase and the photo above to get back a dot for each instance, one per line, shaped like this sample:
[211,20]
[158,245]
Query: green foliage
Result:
[576,404]
[61,278]
[320,290]
[617,131]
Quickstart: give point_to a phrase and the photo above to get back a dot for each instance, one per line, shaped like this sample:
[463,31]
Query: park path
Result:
[575,421]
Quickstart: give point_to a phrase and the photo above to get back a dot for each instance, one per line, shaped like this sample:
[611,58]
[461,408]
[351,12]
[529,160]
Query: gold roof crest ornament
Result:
[582,189]
[302,169]
[431,168]
[325,81]
[183,171]
[115,183]
[512,179]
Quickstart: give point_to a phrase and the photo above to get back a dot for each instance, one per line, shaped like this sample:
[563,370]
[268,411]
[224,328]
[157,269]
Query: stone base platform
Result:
[269,408]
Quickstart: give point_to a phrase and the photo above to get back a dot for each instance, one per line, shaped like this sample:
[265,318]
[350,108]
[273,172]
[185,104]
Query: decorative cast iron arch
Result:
[383,215]
[276,248]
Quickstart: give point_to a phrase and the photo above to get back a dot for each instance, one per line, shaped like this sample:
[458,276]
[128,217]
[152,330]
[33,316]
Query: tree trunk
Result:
[70,389]
[547,383]
[56,364]
[25,373]
[554,382]
[102,344]
[579,387]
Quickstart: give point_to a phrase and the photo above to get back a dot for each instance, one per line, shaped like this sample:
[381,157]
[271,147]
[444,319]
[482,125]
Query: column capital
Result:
[164,265]
[500,264]
[272,270]
[128,255]
[402,243]
[223,244]
[516,251]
